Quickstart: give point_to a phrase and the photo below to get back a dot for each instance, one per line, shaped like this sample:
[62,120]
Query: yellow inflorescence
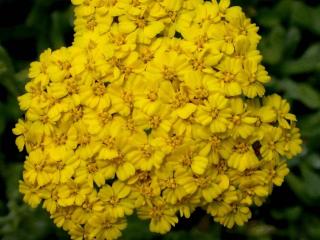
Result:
[157,108]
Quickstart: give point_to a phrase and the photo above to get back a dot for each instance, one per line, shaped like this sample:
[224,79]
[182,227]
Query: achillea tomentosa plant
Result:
[157,108]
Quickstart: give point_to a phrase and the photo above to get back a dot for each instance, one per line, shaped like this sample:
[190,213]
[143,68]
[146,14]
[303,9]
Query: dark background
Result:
[291,50]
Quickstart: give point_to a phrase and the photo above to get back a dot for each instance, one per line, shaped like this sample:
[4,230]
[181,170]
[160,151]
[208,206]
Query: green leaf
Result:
[312,181]
[297,185]
[290,213]
[137,230]
[283,9]
[316,20]
[5,62]
[313,160]
[293,39]
[261,230]
[273,45]
[302,92]
[2,119]
[309,62]
[12,176]
[178,235]
[7,72]
[268,18]
[56,34]
[306,16]
[12,109]
[301,14]
[313,227]
[310,125]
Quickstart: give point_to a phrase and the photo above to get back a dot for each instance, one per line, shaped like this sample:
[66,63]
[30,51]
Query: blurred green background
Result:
[291,50]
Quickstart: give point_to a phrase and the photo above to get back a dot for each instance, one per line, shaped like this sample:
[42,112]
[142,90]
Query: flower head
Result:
[157,108]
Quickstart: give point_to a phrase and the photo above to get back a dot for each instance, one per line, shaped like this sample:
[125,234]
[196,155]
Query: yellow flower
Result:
[37,169]
[177,100]
[243,155]
[64,218]
[242,123]
[34,97]
[143,187]
[68,87]
[157,107]
[172,191]
[224,35]
[222,205]
[157,122]
[112,157]
[86,143]
[21,130]
[32,193]
[62,142]
[188,158]
[51,197]
[169,66]
[42,122]
[213,146]
[72,193]
[271,146]
[282,109]
[277,172]
[97,120]
[257,76]
[84,212]
[102,226]
[146,155]
[64,169]
[38,70]
[265,116]
[197,90]
[228,79]
[125,70]
[207,12]
[238,215]
[123,98]
[215,113]
[208,185]
[161,214]
[89,171]
[95,95]
[187,205]
[115,200]
[140,25]
[291,142]
[211,184]
[122,43]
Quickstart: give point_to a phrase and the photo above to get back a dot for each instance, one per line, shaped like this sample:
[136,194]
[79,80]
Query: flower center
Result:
[99,88]
[109,142]
[72,87]
[242,148]
[154,121]
[146,150]
[77,113]
[228,77]
[141,22]
[215,141]
[152,95]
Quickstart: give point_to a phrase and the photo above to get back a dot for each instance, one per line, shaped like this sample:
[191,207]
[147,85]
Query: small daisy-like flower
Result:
[161,214]
[216,113]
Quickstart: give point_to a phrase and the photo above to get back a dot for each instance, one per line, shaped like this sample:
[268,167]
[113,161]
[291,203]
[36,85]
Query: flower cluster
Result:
[157,108]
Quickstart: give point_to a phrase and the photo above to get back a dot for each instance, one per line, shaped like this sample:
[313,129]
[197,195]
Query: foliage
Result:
[291,50]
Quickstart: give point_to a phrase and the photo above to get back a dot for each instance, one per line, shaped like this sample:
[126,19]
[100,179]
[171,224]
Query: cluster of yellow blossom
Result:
[157,108]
